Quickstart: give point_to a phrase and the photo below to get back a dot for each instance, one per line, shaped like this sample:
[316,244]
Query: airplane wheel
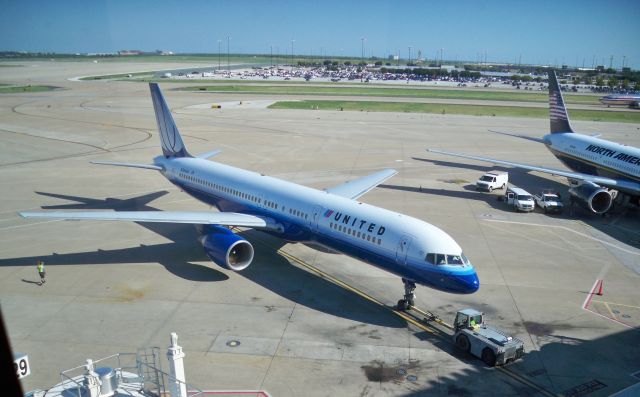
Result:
[463,343]
[489,357]
[403,305]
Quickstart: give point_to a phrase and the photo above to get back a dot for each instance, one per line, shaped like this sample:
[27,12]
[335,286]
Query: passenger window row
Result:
[222,188]
[355,233]
[238,193]
[299,214]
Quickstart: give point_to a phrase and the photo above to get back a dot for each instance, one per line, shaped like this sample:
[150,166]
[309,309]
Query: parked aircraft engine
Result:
[227,249]
[594,197]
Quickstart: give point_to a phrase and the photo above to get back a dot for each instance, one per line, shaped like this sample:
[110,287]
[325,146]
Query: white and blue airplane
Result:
[333,218]
[599,166]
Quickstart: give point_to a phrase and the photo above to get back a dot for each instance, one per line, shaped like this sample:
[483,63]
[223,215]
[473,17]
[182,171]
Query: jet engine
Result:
[594,197]
[227,249]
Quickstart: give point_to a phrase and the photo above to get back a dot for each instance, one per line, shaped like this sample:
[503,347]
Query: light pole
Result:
[228,64]
[362,50]
[292,41]
[409,56]
[441,56]
[219,55]
[271,47]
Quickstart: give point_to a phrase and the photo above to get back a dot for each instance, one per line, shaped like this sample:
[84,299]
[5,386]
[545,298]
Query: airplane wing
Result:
[357,187]
[602,181]
[193,217]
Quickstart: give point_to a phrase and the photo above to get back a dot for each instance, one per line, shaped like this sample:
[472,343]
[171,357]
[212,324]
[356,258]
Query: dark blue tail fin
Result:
[172,145]
[557,111]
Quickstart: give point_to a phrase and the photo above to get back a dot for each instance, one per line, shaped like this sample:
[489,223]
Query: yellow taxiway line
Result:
[409,318]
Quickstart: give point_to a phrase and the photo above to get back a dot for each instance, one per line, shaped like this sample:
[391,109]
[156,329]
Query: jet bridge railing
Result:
[154,380]
[145,364]
[72,378]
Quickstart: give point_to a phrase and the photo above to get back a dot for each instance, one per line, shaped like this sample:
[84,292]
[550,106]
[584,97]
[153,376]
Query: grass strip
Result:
[473,110]
[27,88]
[393,92]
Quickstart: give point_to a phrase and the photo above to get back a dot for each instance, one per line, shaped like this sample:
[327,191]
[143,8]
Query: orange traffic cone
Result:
[600,289]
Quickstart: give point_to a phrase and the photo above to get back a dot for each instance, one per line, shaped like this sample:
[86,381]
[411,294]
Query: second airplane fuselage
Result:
[595,156]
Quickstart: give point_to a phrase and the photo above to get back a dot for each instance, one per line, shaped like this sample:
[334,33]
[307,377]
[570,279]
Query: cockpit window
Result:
[442,259]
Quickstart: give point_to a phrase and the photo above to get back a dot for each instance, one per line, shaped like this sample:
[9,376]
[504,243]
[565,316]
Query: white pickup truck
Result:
[492,180]
[548,201]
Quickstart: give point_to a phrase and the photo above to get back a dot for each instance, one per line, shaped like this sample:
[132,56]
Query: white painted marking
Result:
[569,230]
[590,296]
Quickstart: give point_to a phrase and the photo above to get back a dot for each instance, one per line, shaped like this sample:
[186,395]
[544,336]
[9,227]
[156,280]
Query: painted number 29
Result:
[22,367]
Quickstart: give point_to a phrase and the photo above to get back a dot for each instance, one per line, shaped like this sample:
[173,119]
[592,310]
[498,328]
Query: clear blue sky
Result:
[542,32]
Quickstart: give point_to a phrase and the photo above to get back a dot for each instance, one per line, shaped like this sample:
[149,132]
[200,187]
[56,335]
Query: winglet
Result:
[172,145]
[557,111]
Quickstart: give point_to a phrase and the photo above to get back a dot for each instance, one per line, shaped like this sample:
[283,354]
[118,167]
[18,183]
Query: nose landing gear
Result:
[409,297]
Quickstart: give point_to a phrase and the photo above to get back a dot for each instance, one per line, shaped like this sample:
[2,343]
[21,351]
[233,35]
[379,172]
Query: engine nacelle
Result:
[227,249]
[594,197]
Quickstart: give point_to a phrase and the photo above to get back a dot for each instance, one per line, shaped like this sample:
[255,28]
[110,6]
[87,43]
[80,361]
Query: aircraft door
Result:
[317,213]
[403,249]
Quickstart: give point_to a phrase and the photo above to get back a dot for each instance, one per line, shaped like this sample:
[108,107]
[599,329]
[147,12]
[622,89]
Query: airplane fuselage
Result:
[594,156]
[620,100]
[394,242]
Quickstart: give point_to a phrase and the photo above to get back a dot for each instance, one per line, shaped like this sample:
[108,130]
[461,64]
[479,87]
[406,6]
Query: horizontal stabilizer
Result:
[132,165]
[529,138]
[357,187]
[192,217]
[210,154]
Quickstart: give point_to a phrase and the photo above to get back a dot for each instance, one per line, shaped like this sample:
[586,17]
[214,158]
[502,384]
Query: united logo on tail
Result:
[172,145]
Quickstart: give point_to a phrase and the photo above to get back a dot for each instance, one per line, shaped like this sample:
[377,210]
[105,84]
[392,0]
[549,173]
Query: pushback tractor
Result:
[491,345]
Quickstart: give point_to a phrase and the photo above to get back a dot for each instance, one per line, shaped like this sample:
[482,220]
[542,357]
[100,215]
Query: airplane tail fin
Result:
[172,144]
[557,111]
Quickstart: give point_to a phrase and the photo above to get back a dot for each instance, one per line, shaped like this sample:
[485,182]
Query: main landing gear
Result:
[409,296]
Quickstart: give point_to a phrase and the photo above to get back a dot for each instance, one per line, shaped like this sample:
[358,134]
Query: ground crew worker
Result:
[41,272]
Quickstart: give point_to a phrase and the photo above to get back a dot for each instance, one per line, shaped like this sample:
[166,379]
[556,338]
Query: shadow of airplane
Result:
[534,184]
[469,193]
[268,269]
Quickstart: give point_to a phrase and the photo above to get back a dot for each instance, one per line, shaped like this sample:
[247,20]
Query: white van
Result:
[492,180]
[520,199]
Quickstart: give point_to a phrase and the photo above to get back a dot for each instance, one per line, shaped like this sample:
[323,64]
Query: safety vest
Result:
[40,267]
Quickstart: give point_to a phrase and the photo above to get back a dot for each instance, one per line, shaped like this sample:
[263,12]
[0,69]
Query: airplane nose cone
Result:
[464,284]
